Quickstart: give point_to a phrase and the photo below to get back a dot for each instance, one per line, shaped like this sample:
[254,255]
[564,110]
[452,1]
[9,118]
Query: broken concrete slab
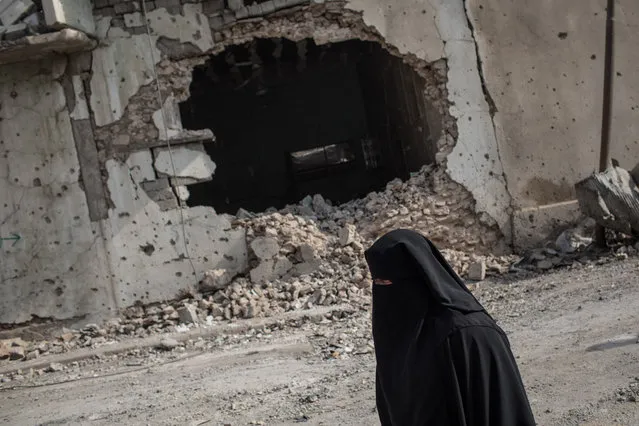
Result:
[477,271]
[190,161]
[612,199]
[39,46]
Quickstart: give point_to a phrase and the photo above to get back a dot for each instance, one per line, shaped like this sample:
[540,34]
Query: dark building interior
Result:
[293,119]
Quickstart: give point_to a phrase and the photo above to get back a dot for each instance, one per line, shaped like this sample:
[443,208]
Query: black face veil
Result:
[441,359]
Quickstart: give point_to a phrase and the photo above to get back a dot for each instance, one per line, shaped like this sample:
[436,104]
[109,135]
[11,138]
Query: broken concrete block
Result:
[190,161]
[477,271]
[12,10]
[347,235]
[282,266]
[612,199]
[265,248]
[214,280]
[263,272]
[76,14]
[188,314]
[167,344]
[16,31]
[308,253]
[54,367]
[320,206]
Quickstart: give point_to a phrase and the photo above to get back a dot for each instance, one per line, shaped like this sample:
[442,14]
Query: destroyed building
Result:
[139,139]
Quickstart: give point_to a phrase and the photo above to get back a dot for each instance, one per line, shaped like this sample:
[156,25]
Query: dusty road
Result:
[322,373]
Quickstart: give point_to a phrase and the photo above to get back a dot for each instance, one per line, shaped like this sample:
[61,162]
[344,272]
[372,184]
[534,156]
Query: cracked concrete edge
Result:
[492,109]
[152,341]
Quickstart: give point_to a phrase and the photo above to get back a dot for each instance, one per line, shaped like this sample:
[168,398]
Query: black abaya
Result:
[441,359]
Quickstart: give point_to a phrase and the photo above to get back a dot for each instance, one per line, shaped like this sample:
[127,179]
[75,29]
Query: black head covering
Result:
[406,256]
[441,359]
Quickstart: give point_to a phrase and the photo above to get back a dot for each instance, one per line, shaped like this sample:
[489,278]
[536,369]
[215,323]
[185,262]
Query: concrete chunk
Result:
[477,271]
[12,10]
[215,279]
[188,314]
[190,161]
[612,199]
[265,248]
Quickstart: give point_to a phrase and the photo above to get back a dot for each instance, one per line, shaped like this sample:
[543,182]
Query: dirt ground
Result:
[574,333]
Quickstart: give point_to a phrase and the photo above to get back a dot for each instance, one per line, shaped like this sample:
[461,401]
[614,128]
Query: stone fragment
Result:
[477,271]
[282,266]
[545,264]
[265,248]
[320,206]
[263,272]
[215,279]
[168,344]
[54,367]
[32,355]
[347,235]
[12,10]
[188,314]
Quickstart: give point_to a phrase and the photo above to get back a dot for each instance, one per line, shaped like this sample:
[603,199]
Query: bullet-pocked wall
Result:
[543,64]
[293,119]
[128,239]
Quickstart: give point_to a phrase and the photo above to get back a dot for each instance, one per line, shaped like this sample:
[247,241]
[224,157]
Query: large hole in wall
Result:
[295,118]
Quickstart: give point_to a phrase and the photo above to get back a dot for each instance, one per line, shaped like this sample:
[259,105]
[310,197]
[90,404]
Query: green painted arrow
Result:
[14,237]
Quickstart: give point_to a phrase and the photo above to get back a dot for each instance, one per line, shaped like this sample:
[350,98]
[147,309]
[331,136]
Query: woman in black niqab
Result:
[441,359]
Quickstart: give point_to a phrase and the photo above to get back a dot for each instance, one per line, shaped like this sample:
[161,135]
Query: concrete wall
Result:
[57,267]
[86,186]
[543,66]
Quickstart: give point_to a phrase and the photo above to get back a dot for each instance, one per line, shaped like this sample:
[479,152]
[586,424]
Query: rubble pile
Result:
[19,18]
[427,202]
[629,393]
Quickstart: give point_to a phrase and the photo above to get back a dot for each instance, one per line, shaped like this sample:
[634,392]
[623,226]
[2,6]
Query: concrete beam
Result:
[39,46]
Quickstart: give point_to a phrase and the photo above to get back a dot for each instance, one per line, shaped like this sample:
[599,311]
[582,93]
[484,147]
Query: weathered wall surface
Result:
[57,266]
[90,175]
[543,65]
